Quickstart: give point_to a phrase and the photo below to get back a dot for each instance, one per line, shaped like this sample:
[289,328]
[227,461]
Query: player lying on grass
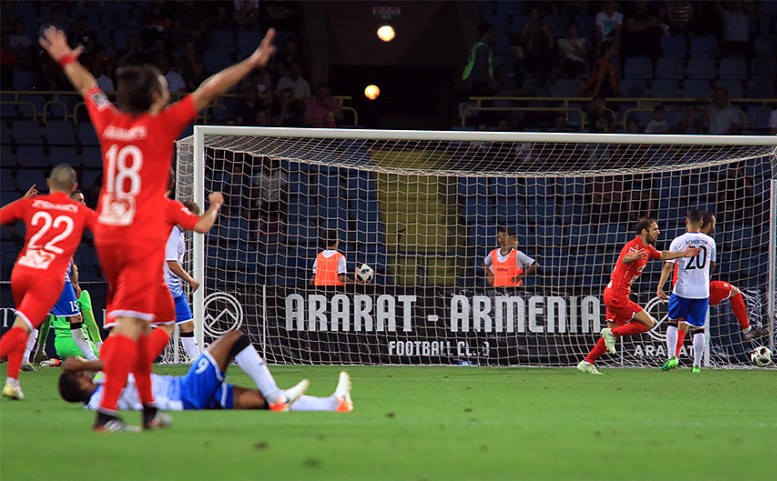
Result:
[204,387]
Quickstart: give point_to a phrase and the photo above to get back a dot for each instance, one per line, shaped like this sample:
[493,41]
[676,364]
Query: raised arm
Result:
[207,219]
[55,44]
[689,252]
[218,84]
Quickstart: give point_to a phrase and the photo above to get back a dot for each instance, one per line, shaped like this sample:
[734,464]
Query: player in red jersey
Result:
[136,139]
[53,224]
[624,316]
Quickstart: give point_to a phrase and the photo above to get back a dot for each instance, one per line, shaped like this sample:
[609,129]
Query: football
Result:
[761,356]
[365,273]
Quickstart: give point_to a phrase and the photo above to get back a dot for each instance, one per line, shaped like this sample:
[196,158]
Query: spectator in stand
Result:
[559,124]
[736,29]
[22,47]
[603,81]
[537,42]
[82,35]
[7,62]
[130,54]
[245,113]
[246,12]
[263,118]
[608,25]
[690,124]
[657,125]
[600,119]
[632,126]
[680,16]
[175,82]
[157,22]
[191,25]
[191,66]
[641,31]
[97,67]
[56,19]
[158,52]
[288,56]
[479,71]
[573,52]
[293,79]
[773,122]
[323,110]
[721,118]
[288,110]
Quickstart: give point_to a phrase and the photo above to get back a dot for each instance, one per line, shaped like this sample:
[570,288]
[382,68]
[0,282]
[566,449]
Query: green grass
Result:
[424,423]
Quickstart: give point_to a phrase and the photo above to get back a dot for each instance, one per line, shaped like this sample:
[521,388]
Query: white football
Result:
[761,356]
[365,273]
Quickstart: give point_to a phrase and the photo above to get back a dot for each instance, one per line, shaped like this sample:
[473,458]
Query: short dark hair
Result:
[192,206]
[706,217]
[136,86]
[330,237]
[508,230]
[70,389]
[484,28]
[695,215]
[643,223]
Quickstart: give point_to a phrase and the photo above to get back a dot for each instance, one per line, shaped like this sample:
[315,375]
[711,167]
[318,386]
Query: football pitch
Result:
[424,423]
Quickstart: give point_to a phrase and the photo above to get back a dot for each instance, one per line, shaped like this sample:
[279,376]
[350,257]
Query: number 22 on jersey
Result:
[38,256]
[122,185]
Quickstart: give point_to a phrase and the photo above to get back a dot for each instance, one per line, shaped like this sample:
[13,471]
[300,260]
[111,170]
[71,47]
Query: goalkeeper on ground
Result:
[64,344]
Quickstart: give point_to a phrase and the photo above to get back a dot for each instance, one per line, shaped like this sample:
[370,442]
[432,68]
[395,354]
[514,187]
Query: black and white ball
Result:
[761,356]
[365,273]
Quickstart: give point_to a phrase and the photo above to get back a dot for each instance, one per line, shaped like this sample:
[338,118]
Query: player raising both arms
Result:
[689,301]
[54,224]
[136,138]
[624,316]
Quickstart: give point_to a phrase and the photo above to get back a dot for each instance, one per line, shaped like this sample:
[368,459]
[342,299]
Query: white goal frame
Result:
[201,131]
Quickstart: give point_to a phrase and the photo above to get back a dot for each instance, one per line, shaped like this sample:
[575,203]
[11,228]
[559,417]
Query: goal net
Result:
[423,210]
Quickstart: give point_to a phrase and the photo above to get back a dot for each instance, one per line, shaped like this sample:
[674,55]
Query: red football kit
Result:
[131,228]
[621,309]
[53,224]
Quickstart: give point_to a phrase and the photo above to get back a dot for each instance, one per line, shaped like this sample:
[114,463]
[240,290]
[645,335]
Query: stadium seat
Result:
[120,37]
[733,68]
[374,255]
[674,46]
[701,68]
[89,178]
[54,110]
[508,209]
[762,68]
[665,89]
[541,211]
[27,132]
[38,102]
[539,188]
[566,87]
[670,68]
[59,132]
[587,25]
[23,79]
[734,88]
[86,135]
[633,88]
[478,209]
[696,89]
[8,111]
[92,158]
[706,46]
[223,39]
[26,178]
[638,68]
[507,187]
[327,185]
[360,184]
[364,209]
[67,155]
[764,47]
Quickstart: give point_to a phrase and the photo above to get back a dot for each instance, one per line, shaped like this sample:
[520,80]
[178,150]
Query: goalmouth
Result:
[423,209]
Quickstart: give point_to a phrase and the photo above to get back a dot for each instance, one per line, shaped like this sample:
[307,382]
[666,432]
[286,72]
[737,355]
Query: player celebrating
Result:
[689,301]
[137,145]
[507,266]
[203,387]
[54,224]
[628,317]
[175,275]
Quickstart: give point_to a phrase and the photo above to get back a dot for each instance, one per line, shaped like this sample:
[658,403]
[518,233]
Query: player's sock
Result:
[313,403]
[89,321]
[251,363]
[680,339]
[698,347]
[671,341]
[740,312]
[142,372]
[189,343]
[157,341]
[629,329]
[30,344]
[79,337]
[596,351]
[12,348]
[120,353]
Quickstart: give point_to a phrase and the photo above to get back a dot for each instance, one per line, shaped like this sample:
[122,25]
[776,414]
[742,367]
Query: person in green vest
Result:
[64,344]
[479,71]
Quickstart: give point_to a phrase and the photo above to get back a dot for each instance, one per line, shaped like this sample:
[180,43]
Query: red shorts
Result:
[132,271]
[719,292]
[35,292]
[164,310]
[619,309]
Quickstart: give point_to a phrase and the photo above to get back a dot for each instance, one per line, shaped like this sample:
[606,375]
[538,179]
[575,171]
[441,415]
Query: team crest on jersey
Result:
[100,100]
[117,211]
[36,259]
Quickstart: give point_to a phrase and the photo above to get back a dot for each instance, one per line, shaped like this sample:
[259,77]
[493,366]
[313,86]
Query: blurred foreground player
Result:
[136,138]
[624,316]
[54,224]
[204,386]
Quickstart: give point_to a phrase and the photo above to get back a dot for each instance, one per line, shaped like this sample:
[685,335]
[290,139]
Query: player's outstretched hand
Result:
[31,192]
[264,52]
[216,198]
[55,43]
[692,252]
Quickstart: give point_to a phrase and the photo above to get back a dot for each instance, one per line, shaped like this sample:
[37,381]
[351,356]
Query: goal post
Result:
[423,210]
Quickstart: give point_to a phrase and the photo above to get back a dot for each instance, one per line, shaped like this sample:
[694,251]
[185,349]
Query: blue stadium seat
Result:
[67,155]
[120,37]
[762,68]
[374,255]
[23,79]
[216,59]
[541,211]
[587,25]
[674,46]
[249,38]
[696,89]
[360,184]
[761,88]
[370,232]
[538,188]
[327,185]
[86,135]
[733,68]
[633,88]
[670,68]
[31,156]
[59,132]
[570,187]
[638,68]
[706,46]
[701,68]
[300,232]
[507,187]
[478,209]
[26,178]
[223,39]
[92,158]
[334,208]
[734,88]
[565,87]
[764,47]
[364,209]
[26,132]
[89,178]
[665,88]
[54,110]
[6,181]
[299,183]
[509,210]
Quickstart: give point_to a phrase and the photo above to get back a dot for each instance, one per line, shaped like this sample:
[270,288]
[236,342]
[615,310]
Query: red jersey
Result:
[137,156]
[53,225]
[624,275]
[177,214]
